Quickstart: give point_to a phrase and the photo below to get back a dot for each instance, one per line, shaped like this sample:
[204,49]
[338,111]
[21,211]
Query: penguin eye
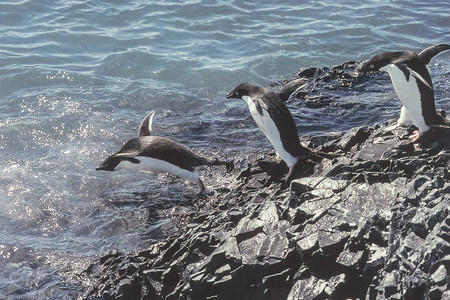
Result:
[236,93]
[372,66]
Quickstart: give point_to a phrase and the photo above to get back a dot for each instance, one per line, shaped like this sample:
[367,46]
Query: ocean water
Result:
[77,77]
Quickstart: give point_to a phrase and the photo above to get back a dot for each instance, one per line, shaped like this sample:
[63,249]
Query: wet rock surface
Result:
[372,222]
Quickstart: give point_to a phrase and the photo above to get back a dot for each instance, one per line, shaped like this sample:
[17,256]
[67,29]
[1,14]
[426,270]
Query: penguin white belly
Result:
[409,94]
[270,130]
[152,165]
[405,117]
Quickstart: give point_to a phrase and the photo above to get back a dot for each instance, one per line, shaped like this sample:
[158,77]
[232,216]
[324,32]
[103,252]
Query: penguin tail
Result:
[438,119]
[428,53]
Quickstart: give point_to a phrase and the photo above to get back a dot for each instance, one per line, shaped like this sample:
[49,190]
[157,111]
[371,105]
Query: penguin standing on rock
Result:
[154,154]
[412,83]
[274,120]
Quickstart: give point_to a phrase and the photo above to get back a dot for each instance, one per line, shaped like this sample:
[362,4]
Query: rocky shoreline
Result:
[373,223]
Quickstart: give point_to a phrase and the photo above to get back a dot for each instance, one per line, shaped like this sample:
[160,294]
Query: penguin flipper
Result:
[419,77]
[201,186]
[428,53]
[127,157]
[145,128]
[408,72]
[292,87]
[404,68]
[259,105]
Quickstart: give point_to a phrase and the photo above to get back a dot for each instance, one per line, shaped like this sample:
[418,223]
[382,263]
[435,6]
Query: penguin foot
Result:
[201,186]
[288,175]
[415,136]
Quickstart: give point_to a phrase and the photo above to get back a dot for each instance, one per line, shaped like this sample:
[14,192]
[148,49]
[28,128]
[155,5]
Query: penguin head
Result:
[128,152]
[109,164]
[243,89]
[383,59]
[375,64]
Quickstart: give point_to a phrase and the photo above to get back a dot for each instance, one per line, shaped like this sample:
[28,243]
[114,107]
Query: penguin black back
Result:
[164,149]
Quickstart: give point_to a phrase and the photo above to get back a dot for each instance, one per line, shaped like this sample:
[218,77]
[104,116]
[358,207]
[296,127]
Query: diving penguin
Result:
[154,154]
[412,83]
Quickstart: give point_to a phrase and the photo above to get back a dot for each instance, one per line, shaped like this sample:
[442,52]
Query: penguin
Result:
[155,154]
[412,83]
[274,120]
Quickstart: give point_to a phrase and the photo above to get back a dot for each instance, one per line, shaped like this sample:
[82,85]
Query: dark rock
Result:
[109,257]
[390,285]
[235,215]
[440,276]
[311,288]
[351,260]
[332,238]
[354,137]
[296,216]
[372,222]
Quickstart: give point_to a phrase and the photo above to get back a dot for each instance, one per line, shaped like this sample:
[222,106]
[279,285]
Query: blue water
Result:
[76,77]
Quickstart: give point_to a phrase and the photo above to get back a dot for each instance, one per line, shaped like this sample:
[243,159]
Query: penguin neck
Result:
[247,99]
[396,74]
[388,69]
[402,86]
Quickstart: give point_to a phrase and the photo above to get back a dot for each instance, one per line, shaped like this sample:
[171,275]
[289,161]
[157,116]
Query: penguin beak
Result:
[229,95]
[361,72]
[360,69]
[105,166]
[112,162]
[102,167]
[366,68]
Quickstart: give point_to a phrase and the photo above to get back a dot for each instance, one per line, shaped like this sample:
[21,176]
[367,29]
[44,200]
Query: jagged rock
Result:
[312,288]
[351,260]
[371,223]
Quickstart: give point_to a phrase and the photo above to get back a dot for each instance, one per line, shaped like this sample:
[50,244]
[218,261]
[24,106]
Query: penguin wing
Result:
[292,87]
[259,104]
[408,71]
[428,53]
[145,128]
[127,156]
[419,77]
[285,123]
[405,69]
[276,107]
